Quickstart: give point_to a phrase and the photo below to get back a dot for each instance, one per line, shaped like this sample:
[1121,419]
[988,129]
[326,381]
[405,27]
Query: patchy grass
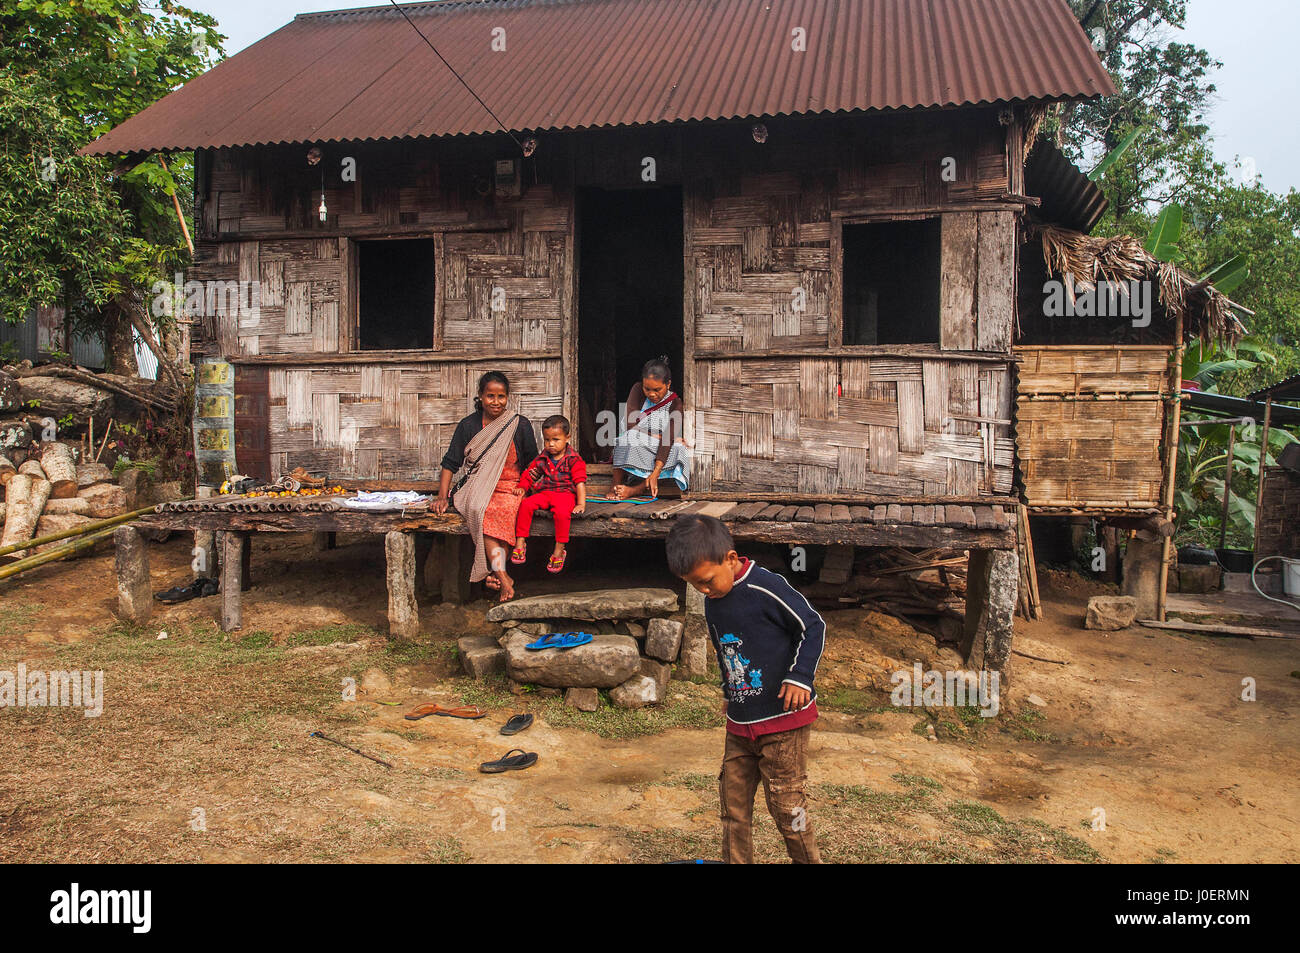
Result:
[683,709]
[853,701]
[857,823]
[1013,841]
[967,724]
[329,635]
[16,618]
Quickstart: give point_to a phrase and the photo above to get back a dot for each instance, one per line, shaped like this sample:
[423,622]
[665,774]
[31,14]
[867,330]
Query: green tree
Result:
[1164,89]
[81,231]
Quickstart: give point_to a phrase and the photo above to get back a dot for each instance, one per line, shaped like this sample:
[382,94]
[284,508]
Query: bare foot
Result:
[620,491]
[507,586]
[491,581]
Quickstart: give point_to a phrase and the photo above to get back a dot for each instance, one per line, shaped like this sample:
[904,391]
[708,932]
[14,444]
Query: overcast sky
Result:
[1255,40]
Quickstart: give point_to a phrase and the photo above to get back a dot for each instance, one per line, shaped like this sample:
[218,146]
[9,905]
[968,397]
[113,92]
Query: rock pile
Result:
[632,655]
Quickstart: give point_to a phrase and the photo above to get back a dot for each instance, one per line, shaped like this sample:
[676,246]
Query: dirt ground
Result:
[203,752]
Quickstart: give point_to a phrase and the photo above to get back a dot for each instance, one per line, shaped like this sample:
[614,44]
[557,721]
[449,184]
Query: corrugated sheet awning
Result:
[568,64]
[1287,389]
[1070,198]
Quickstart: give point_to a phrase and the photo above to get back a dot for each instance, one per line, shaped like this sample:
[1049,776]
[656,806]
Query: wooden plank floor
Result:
[983,526]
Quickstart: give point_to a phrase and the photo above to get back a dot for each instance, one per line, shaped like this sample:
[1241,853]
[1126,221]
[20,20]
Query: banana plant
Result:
[1203,450]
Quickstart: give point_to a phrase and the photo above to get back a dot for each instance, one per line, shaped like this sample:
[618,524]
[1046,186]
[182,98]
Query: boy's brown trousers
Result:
[780,761]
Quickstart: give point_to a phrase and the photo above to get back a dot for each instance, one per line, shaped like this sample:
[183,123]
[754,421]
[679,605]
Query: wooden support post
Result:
[134,593]
[205,543]
[232,546]
[403,612]
[992,584]
[1109,543]
[321,542]
[425,544]
[1171,461]
[457,557]
[246,563]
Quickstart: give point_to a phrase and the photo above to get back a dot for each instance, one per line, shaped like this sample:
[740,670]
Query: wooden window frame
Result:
[835,329]
[350,342]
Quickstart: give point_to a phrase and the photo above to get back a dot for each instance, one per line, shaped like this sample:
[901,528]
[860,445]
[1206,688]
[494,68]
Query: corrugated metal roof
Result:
[1287,389]
[568,64]
[1069,197]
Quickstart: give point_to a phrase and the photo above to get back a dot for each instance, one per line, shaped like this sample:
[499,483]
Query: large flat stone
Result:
[606,661]
[593,605]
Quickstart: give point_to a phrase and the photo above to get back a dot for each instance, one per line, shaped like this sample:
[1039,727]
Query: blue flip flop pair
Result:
[560,640]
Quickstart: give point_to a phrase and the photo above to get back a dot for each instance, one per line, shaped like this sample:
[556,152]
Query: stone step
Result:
[604,662]
[592,606]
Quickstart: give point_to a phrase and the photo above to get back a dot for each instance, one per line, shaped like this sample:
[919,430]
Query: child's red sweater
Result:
[549,473]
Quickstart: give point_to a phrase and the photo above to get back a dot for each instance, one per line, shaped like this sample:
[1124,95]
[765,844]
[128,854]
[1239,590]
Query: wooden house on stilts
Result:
[813,206]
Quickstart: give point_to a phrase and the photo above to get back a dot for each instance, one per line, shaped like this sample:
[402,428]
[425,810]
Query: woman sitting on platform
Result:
[488,448]
[652,445]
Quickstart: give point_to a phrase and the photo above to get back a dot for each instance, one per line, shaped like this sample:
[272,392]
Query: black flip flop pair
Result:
[515,759]
[198,588]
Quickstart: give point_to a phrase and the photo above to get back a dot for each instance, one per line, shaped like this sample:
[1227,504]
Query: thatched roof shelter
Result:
[1206,313]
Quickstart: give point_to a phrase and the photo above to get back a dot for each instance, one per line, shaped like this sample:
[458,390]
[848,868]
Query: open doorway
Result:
[629,300]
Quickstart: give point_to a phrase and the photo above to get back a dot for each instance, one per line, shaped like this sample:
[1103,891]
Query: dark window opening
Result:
[629,298]
[891,282]
[396,290]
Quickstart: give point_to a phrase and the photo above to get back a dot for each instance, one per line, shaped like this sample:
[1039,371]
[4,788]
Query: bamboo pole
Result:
[53,555]
[104,443]
[1227,485]
[1263,462]
[1171,462]
[185,230]
[75,531]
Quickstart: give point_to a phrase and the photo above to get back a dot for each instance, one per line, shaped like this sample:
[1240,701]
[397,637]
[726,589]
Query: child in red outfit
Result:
[555,481]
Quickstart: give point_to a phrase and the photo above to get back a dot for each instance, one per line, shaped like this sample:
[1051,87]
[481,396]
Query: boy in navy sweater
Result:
[769,641]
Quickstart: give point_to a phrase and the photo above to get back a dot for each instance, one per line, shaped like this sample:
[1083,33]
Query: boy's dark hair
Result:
[694,540]
[556,420]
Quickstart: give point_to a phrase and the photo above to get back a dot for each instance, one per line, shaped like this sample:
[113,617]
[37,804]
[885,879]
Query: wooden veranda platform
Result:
[227,525]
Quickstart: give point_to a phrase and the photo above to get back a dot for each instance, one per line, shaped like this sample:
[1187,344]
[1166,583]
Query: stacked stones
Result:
[635,646]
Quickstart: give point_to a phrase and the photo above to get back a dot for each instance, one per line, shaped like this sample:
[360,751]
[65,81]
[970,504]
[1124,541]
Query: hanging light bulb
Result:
[324,213]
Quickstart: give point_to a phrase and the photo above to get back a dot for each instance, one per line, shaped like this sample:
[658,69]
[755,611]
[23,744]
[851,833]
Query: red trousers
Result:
[559,502]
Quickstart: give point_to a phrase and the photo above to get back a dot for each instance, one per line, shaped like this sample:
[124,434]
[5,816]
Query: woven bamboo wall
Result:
[1090,421]
[389,416]
[781,405]
[760,220]
[389,421]
[882,426]
[522,246]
